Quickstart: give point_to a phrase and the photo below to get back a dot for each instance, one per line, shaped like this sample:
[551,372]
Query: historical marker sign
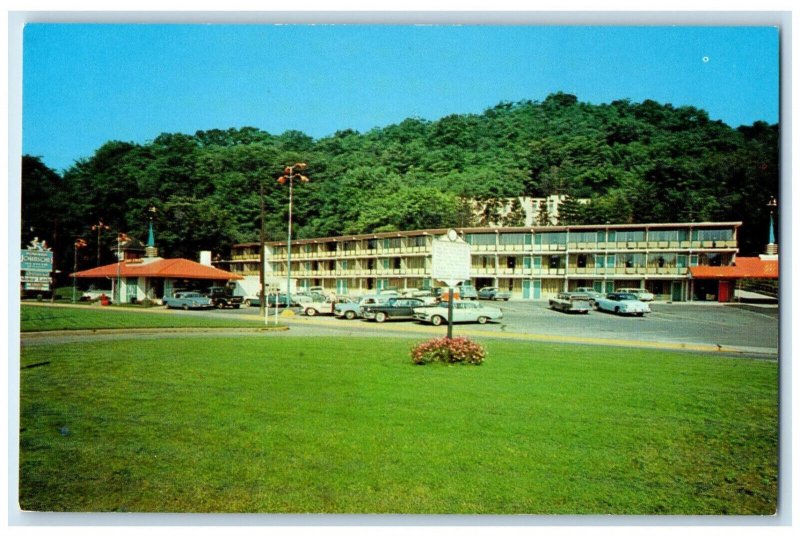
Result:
[450,259]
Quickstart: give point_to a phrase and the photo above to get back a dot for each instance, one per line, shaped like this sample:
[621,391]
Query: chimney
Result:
[205,257]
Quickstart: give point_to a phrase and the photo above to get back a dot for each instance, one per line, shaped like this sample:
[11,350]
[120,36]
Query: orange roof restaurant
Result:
[721,281]
[151,277]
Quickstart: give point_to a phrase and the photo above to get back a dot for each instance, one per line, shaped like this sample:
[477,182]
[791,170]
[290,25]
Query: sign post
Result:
[450,263]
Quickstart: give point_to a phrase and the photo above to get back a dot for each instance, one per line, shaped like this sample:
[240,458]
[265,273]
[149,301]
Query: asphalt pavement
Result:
[691,326]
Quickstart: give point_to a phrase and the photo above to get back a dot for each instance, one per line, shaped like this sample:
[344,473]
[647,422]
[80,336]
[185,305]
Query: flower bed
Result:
[449,351]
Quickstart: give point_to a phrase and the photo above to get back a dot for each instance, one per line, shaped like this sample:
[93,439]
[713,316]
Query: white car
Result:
[593,295]
[320,307]
[642,294]
[622,304]
[463,312]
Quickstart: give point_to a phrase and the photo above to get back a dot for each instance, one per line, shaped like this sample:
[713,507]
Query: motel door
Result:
[677,294]
[531,289]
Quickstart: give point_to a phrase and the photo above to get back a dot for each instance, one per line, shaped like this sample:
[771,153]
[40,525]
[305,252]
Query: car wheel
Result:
[640,314]
[220,305]
[380,317]
[349,315]
[246,303]
[482,320]
[616,310]
[185,307]
[311,312]
[436,320]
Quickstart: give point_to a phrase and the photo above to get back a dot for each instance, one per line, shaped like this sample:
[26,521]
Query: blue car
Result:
[188,300]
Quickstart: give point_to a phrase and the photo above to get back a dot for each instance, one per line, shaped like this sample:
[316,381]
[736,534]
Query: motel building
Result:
[533,263]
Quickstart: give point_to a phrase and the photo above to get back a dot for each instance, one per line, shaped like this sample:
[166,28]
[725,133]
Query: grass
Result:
[290,425]
[47,318]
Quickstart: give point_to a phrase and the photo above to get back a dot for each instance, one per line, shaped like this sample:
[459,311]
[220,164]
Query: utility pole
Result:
[262,296]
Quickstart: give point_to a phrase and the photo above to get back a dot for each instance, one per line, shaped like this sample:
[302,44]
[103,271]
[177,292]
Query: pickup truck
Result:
[223,297]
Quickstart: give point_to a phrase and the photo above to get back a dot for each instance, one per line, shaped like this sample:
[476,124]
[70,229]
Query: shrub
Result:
[449,351]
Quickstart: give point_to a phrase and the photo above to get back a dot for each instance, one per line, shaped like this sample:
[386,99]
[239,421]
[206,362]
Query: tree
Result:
[516,214]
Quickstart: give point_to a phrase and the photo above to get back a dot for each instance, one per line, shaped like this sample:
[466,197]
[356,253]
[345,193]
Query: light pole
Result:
[262,295]
[289,175]
[99,227]
[121,237]
[79,243]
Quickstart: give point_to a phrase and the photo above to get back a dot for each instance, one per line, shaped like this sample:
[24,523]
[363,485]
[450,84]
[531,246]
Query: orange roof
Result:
[744,267]
[160,268]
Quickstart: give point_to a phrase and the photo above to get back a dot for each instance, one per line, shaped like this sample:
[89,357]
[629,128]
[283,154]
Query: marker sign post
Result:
[450,263]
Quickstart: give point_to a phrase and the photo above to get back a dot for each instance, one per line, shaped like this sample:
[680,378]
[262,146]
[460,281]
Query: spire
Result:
[151,250]
[772,248]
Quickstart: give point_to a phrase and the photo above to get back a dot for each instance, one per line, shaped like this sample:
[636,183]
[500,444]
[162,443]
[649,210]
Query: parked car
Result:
[467,292]
[308,296]
[622,303]
[394,308]
[571,302]
[642,294]
[462,292]
[593,295]
[248,301]
[463,312]
[493,293]
[223,297]
[323,307]
[352,309]
[188,300]
[279,300]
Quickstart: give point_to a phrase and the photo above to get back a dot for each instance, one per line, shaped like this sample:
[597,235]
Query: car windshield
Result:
[627,296]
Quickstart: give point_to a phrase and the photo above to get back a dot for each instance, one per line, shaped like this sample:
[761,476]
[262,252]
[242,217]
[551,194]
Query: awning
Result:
[158,268]
[743,268]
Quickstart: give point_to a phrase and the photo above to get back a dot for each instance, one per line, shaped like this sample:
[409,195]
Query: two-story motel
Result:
[531,262]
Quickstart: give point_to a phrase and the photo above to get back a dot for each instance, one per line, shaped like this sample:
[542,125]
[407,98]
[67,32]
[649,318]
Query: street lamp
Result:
[289,176]
[99,227]
[121,237]
[79,243]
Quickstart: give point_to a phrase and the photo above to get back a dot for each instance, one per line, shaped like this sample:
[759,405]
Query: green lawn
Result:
[335,425]
[45,318]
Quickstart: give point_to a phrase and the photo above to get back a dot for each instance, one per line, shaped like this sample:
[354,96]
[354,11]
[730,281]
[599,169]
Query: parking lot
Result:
[749,328]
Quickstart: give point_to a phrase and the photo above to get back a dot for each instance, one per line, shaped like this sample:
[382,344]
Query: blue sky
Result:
[86,84]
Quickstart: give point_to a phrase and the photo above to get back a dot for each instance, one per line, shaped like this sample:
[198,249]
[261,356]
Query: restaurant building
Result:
[532,262]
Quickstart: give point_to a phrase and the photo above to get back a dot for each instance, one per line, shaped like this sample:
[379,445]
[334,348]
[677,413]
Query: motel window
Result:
[663,235]
[583,236]
[552,238]
[481,239]
[630,236]
[509,239]
[715,234]
[418,241]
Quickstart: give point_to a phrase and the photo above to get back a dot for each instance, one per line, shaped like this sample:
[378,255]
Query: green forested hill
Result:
[638,162]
